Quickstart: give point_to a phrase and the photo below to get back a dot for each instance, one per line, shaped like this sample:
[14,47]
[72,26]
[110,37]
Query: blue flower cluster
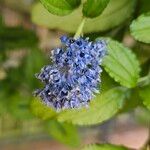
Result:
[74,75]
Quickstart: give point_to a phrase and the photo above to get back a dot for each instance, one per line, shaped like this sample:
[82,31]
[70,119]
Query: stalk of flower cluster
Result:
[74,75]
[80,28]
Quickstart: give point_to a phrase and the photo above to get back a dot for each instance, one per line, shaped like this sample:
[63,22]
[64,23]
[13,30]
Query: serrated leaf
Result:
[145,95]
[60,7]
[63,132]
[93,8]
[102,108]
[121,64]
[104,147]
[40,110]
[115,9]
[140,28]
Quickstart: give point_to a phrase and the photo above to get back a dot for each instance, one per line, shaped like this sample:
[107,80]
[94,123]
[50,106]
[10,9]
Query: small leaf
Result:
[60,7]
[102,108]
[145,95]
[93,8]
[63,132]
[116,9]
[140,28]
[42,111]
[121,64]
[104,147]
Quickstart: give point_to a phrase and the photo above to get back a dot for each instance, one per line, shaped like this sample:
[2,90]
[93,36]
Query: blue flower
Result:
[74,75]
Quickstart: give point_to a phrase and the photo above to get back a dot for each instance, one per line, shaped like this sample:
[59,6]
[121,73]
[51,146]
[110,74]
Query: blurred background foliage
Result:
[28,32]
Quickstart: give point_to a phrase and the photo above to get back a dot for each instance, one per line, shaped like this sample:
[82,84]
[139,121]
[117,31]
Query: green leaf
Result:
[116,9]
[104,147]
[42,111]
[17,37]
[93,8]
[132,101]
[121,64]
[32,65]
[145,95]
[63,132]
[140,28]
[18,106]
[102,108]
[143,6]
[60,7]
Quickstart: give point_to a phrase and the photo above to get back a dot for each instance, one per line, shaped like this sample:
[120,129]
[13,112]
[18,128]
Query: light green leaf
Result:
[116,9]
[93,8]
[42,111]
[145,95]
[102,108]
[104,147]
[140,28]
[63,132]
[60,7]
[121,64]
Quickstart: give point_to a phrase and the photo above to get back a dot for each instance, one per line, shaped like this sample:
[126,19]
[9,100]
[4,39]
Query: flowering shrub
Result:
[100,69]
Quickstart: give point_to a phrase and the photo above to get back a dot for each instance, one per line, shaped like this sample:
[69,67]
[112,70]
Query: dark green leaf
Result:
[102,108]
[145,95]
[63,132]
[116,9]
[16,37]
[32,65]
[140,28]
[19,107]
[60,7]
[104,147]
[121,64]
[132,101]
[143,6]
[93,8]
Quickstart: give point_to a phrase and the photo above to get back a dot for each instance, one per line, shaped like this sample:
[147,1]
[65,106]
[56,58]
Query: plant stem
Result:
[80,29]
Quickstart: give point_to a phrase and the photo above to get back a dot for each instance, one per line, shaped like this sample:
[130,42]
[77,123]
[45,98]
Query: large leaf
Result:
[60,7]
[145,95]
[93,8]
[140,28]
[116,9]
[104,147]
[42,111]
[102,108]
[121,64]
[63,132]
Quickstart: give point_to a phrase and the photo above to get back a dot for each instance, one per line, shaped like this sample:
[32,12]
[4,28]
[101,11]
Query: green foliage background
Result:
[125,80]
